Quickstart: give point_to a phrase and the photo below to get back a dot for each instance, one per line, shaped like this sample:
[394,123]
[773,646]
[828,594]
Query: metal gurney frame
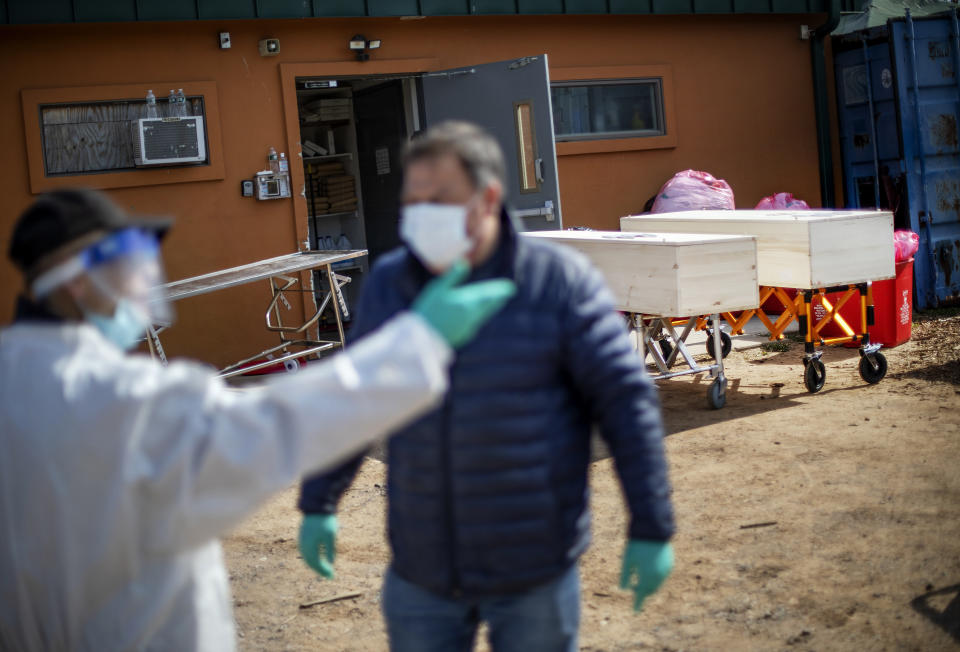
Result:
[815,261]
[650,331]
[873,364]
[281,272]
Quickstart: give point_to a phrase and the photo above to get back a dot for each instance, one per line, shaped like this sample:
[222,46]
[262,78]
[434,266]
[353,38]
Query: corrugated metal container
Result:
[898,93]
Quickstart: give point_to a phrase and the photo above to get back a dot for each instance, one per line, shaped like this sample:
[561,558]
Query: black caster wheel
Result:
[814,375]
[869,373]
[717,394]
[726,344]
[666,348]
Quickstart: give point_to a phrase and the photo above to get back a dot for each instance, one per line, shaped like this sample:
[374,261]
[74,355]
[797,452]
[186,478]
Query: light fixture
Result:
[360,45]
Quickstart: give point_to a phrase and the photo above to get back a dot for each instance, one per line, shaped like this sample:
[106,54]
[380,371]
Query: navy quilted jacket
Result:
[488,493]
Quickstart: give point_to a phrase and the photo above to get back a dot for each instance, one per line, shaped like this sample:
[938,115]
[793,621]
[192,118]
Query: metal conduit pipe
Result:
[873,124]
[828,196]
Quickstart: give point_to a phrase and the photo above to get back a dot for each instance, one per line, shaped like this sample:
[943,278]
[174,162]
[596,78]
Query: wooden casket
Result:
[678,275]
[798,249]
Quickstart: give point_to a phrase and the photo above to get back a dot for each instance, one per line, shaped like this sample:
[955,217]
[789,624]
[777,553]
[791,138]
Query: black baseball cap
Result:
[59,217]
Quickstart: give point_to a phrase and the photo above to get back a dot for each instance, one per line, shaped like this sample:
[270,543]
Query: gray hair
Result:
[478,152]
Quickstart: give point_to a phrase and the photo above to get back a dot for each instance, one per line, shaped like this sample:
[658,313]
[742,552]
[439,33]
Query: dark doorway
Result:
[381,135]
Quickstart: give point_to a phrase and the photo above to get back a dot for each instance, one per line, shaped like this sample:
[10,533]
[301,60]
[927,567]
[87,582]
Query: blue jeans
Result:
[544,619]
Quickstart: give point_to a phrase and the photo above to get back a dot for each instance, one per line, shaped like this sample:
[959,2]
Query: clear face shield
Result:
[126,275]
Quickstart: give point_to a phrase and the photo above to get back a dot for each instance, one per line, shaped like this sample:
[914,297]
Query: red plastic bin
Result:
[892,309]
[773,305]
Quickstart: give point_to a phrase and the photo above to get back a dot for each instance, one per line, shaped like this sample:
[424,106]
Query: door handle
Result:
[538,166]
[546,211]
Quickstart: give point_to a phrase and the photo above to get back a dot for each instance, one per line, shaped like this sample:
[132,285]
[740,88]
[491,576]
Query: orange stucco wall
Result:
[743,110]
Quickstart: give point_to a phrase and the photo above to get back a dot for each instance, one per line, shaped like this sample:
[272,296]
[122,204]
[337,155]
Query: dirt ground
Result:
[826,521]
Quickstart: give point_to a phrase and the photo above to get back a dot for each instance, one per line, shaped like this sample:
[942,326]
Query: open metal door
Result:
[511,100]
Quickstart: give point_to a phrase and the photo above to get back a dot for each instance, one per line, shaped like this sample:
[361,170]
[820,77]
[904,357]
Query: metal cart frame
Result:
[281,273]
[873,364]
[653,330]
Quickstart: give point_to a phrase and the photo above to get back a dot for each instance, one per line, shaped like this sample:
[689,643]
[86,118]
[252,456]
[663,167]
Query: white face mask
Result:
[437,233]
[124,328]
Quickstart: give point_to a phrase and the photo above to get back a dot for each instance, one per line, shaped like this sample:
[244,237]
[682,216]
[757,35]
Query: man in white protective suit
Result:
[117,474]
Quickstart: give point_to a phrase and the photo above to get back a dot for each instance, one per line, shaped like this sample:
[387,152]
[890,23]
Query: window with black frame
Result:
[606,109]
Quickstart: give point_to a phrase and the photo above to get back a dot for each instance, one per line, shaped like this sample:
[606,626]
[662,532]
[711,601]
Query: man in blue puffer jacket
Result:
[488,493]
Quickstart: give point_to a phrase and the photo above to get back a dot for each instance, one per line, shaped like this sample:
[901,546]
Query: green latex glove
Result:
[646,565]
[457,313]
[318,542]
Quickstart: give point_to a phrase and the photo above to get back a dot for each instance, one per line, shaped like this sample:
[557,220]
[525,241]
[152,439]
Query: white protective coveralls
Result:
[117,475]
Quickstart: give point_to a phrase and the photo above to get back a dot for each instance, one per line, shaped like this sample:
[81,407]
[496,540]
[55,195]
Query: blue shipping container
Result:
[898,97]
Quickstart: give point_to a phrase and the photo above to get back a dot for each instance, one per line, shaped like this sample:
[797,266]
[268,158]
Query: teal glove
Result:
[318,542]
[457,313]
[645,565]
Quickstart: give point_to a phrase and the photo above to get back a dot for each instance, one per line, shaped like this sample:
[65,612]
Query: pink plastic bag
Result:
[905,244]
[782,201]
[693,190]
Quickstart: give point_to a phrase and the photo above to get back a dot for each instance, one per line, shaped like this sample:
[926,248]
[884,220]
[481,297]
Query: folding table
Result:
[282,274]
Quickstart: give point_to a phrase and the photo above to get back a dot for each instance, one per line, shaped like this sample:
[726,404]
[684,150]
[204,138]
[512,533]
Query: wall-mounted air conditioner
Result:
[169,141]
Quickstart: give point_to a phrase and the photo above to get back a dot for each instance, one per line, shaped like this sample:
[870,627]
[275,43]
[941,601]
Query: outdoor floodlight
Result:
[360,45]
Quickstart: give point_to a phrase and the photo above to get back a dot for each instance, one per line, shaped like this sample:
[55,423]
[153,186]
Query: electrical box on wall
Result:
[269,47]
[271,186]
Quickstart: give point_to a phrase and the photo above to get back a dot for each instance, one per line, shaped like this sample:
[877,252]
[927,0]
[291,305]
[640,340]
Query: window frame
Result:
[35,98]
[129,134]
[600,143]
[656,82]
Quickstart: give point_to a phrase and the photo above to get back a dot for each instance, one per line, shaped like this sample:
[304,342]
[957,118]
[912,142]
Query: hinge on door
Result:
[451,73]
[521,62]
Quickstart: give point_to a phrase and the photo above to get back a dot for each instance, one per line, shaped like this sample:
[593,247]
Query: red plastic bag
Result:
[905,244]
[782,201]
[693,190]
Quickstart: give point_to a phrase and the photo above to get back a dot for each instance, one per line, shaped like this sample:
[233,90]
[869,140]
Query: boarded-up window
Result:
[90,137]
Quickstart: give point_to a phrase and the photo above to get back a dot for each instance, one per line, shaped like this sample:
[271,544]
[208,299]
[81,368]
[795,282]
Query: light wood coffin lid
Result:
[799,249]
[676,275]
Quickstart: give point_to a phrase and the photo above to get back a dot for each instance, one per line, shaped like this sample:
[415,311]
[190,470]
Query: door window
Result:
[526,146]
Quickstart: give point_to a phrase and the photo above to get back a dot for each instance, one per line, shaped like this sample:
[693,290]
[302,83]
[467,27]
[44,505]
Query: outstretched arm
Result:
[206,455]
